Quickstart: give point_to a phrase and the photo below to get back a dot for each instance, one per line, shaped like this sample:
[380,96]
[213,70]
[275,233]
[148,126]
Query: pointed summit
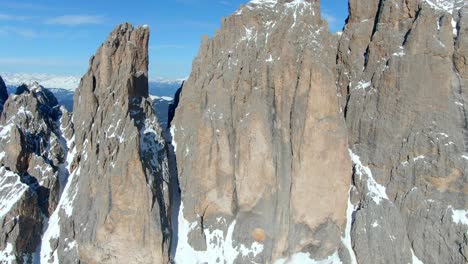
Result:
[114,209]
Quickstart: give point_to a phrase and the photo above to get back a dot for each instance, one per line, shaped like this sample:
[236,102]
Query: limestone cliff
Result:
[261,145]
[403,79]
[289,144]
[114,208]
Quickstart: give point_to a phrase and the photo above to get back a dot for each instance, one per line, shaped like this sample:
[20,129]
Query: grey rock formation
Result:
[261,144]
[402,76]
[3,94]
[291,145]
[260,111]
[116,207]
[33,157]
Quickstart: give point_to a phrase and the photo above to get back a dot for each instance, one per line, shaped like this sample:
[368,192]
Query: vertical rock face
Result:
[114,208]
[33,156]
[292,146]
[3,94]
[261,144]
[403,76]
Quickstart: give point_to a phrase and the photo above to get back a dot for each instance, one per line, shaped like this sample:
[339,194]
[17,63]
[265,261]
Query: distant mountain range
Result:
[67,82]
[160,86]
[63,87]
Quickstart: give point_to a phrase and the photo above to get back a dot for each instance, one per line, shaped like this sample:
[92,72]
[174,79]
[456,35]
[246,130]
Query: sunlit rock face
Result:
[291,145]
[114,208]
[261,143]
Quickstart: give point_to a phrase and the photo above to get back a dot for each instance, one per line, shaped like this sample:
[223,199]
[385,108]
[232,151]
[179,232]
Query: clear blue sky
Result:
[58,37]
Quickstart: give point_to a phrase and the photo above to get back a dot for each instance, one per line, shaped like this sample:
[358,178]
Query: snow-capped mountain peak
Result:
[68,82]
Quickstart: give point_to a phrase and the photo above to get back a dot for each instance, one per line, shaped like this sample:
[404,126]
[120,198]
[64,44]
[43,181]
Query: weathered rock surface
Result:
[33,157]
[261,144]
[402,74]
[115,206]
[291,145]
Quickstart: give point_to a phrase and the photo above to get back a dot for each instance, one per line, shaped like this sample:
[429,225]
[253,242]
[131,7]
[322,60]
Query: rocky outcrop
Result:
[291,145]
[402,74]
[115,206]
[3,94]
[34,131]
[261,145]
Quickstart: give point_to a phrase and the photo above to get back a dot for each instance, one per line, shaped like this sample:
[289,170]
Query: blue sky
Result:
[58,37]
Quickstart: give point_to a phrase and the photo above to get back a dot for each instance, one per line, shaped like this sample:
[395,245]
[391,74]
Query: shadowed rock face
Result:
[33,156]
[292,146]
[115,209]
[260,141]
[3,94]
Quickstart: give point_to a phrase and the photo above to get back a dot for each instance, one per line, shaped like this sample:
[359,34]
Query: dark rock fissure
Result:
[175,192]
[408,178]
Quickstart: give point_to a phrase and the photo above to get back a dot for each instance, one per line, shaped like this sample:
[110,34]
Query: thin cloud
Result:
[7,17]
[20,31]
[75,20]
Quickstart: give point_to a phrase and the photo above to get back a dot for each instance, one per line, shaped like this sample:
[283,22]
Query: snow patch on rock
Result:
[173,131]
[48,252]
[11,190]
[375,190]
[346,240]
[7,255]
[362,85]
[304,258]
[459,216]
[220,247]
[415,259]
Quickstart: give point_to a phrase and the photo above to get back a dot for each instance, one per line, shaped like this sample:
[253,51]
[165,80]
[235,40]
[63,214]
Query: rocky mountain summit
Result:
[95,194]
[258,89]
[35,132]
[287,144]
[277,108]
